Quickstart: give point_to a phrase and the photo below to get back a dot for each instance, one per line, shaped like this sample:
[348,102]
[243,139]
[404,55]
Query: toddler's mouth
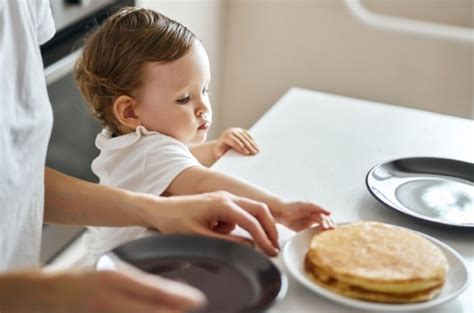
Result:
[204,125]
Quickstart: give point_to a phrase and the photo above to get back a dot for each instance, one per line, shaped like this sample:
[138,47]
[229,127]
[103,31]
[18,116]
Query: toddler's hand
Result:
[299,215]
[235,138]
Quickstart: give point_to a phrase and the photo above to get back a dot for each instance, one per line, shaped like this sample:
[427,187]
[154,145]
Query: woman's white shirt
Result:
[25,127]
[142,161]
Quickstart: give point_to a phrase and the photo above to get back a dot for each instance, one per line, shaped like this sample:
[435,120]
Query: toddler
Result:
[146,78]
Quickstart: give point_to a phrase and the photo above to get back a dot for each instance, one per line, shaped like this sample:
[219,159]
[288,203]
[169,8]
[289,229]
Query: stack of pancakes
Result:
[376,262]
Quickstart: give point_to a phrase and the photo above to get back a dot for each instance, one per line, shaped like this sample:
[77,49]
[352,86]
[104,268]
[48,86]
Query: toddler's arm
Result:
[203,152]
[233,138]
[296,215]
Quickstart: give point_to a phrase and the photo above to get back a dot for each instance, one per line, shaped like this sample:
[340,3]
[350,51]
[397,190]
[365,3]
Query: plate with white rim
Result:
[436,190]
[457,277]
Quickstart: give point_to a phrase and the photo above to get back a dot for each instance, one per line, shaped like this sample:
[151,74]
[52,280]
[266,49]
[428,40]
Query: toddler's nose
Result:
[201,110]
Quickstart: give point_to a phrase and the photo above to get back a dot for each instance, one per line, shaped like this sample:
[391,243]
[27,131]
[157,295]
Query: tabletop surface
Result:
[319,147]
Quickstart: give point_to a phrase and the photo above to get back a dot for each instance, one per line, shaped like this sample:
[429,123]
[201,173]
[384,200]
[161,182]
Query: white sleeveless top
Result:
[25,127]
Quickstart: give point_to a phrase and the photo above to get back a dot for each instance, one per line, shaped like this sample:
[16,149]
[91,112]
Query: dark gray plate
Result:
[234,278]
[433,189]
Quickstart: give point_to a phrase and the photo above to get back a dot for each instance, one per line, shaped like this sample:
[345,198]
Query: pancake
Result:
[353,291]
[376,262]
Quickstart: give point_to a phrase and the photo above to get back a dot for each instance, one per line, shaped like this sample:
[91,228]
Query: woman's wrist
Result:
[144,207]
[160,212]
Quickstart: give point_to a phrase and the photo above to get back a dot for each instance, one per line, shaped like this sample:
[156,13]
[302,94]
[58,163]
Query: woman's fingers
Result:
[234,238]
[264,216]
[252,225]
[224,227]
[117,303]
[158,291]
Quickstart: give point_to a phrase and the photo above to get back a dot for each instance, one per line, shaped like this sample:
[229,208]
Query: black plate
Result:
[433,189]
[234,278]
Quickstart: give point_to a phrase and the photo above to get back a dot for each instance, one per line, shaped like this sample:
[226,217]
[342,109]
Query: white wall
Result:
[318,44]
[260,48]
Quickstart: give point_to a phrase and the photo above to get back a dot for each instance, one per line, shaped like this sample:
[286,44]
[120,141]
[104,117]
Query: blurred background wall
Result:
[260,48]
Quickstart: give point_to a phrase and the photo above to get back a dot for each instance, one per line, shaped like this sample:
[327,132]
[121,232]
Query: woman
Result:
[31,195]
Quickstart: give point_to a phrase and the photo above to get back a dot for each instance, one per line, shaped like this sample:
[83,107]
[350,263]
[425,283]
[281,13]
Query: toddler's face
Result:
[174,98]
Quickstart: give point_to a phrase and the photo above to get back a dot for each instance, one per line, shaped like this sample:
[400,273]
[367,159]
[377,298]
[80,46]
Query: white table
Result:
[319,146]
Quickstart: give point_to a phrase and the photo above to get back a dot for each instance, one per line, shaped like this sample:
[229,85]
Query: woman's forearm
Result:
[72,201]
[9,289]
[22,291]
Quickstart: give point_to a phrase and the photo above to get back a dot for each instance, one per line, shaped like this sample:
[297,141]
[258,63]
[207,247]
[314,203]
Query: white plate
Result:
[457,277]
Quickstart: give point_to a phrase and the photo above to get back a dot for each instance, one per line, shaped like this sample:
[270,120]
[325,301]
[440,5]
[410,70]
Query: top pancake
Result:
[377,253]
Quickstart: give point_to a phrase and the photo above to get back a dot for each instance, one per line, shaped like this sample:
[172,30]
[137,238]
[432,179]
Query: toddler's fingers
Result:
[331,222]
[325,221]
[316,208]
[242,143]
[237,144]
[247,143]
[250,140]
[303,224]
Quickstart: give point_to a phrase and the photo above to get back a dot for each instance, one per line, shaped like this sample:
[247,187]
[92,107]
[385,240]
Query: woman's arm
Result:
[75,202]
[86,291]
[72,201]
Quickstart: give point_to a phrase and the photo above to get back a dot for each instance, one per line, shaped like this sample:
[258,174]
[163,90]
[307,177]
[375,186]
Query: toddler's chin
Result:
[198,138]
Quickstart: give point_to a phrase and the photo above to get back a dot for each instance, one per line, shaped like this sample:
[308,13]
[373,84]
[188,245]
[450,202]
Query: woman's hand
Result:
[299,215]
[235,138]
[129,290]
[215,214]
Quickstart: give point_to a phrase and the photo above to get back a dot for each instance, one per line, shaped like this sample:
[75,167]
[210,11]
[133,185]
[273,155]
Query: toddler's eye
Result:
[206,91]
[183,100]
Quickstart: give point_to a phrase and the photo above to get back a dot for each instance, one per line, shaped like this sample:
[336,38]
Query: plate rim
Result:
[407,211]
[367,305]
[111,256]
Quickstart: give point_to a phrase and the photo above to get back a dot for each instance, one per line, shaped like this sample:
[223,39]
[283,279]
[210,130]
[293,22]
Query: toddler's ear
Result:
[124,111]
